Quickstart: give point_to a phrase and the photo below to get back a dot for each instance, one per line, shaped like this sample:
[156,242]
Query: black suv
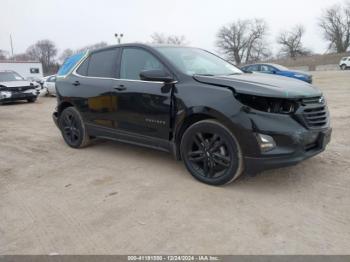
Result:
[187,101]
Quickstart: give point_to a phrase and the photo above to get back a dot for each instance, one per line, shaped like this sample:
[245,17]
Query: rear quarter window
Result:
[70,63]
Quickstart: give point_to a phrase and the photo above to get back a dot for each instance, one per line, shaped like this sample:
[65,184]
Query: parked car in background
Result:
[278,70]
[344,63]
[14,87]
[189,102]
[50,85]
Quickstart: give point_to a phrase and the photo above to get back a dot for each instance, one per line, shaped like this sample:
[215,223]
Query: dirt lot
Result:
[112,198]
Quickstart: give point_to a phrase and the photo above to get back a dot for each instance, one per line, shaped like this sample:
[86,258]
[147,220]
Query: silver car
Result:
[50,85]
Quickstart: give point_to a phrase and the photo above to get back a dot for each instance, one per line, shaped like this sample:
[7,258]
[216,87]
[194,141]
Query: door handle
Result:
[120,88]
[76,83]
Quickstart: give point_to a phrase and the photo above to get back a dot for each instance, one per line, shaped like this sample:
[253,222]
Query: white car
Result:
[50,85]
[344,63]
[14,87]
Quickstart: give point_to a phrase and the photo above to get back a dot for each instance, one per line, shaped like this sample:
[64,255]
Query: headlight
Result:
[5,94]
[300,76]
[266,104]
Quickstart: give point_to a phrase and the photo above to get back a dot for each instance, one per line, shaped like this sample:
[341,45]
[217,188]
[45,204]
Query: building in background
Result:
[29,70]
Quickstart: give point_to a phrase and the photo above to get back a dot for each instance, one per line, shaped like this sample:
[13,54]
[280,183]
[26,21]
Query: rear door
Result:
[93,82]
[143,107]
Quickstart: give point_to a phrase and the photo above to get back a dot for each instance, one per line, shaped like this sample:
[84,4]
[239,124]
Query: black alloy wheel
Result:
[72,128]
[211,153]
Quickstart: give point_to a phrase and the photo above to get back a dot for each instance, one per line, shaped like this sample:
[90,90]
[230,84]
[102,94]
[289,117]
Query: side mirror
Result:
[156,76]
[274,72]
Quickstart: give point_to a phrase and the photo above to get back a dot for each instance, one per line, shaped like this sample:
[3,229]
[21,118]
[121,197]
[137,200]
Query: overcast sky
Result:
[74,24]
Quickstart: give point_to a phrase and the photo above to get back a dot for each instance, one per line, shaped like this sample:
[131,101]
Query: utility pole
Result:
[119,37]
[11,45]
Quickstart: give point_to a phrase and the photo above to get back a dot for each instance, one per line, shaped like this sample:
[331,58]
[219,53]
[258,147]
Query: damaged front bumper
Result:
[296,148]
[8,96]
[290,141]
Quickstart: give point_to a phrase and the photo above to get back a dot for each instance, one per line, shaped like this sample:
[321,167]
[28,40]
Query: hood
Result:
[263,85]
[10,84]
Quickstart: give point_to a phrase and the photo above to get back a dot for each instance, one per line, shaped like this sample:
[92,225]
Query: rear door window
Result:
[267,69]
[103,63]
[253,68]
[83,68]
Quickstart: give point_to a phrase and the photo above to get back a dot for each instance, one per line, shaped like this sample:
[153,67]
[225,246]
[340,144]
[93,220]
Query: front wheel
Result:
[211,153]
[31,100]
[73,128]
[343,67]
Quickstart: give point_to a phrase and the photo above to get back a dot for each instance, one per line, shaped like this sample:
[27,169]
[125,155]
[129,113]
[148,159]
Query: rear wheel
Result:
[73,128]
[211,153]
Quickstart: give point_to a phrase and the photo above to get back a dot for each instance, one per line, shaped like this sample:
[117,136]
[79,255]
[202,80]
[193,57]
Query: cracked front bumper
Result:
[257,164]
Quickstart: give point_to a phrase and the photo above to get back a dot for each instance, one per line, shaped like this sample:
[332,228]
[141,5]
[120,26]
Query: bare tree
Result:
[91,47]
[69,52]
[44,51]
[65,54]
[335,24]
[160,38]
[3,55]
[291,42]
[261,51]
[243,40]
[21,57]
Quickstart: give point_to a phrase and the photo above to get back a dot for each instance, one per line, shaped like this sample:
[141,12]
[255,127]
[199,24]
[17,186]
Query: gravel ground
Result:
[112,198]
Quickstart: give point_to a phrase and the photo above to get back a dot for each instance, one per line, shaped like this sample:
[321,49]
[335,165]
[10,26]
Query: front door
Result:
[142,107]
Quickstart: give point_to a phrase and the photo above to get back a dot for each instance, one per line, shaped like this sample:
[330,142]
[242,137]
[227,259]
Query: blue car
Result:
[278,70]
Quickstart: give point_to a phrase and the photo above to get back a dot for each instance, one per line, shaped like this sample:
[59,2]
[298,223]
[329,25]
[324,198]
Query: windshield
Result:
[10,76]
[194,61]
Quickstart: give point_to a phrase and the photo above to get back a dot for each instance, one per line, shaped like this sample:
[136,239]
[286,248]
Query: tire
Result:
[73,128]
[211,153]
[31,100]
[343,67]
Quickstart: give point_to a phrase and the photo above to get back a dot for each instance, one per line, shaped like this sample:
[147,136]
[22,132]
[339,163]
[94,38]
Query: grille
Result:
[17,89]
[316,116]
[311,100]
